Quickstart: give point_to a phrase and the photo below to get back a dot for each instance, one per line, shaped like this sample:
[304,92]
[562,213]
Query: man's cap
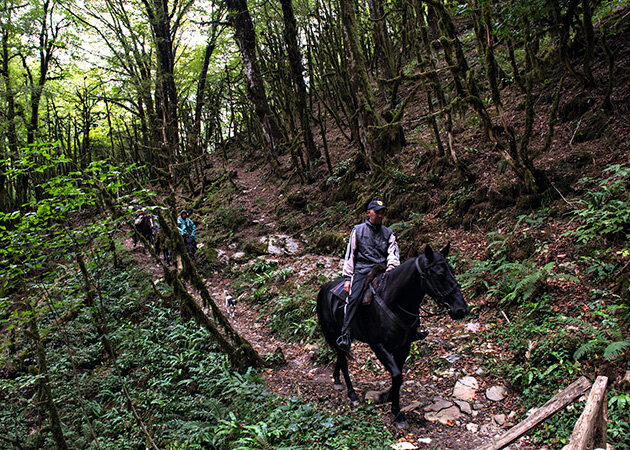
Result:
[183,212]
[376,205]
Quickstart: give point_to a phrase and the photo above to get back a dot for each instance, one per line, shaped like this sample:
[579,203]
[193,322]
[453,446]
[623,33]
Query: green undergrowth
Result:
[180,385]
[548,328]
[288,306]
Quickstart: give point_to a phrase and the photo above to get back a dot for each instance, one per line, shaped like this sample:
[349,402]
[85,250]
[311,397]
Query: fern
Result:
[609,339]
[528,285]
[586,349]
[615,349]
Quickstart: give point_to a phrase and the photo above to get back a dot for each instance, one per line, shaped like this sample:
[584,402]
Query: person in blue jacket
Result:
[188,230]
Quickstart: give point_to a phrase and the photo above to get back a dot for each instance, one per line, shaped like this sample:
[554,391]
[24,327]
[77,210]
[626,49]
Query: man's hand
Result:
[346,285]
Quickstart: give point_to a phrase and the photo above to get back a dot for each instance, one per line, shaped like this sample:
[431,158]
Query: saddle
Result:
[368,290]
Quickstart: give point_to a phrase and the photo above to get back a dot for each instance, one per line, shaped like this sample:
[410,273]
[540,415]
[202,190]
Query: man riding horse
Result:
[370,244]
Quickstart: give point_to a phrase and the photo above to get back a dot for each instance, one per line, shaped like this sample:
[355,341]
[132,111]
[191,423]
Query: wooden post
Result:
[551,407]
[591,426]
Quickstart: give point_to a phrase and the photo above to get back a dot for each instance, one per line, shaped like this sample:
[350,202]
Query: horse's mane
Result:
[392,274]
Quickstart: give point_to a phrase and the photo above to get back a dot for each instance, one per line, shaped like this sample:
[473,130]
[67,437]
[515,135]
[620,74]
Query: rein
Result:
[439,298]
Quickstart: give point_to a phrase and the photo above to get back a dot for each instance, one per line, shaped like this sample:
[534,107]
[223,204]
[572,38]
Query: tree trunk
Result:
[245,37]
[159,17]
[297,76]
[6,201]
[200,100]
[383,54]
[369,120]
[44,382]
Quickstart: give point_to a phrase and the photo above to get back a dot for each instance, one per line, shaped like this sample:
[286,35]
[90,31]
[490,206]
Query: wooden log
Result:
[591,418]
[554,405]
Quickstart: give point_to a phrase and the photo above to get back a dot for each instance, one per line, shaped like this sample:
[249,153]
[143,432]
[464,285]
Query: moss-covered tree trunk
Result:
[383,53]
[43,383]
[160,15]
[245,37]
[374,135]
[7,202]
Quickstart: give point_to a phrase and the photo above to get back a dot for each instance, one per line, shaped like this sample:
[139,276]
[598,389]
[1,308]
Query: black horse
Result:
[388,324]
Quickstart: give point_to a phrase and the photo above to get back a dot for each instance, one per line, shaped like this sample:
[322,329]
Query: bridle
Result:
[438,296]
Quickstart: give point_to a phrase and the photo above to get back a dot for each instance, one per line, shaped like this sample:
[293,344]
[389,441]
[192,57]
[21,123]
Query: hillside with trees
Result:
[498,127]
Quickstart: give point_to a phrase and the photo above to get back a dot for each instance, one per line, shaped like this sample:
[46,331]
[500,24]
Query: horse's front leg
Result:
[342,365]
[394,367]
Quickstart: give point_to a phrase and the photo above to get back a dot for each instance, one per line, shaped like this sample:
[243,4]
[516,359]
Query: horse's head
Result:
[441,283]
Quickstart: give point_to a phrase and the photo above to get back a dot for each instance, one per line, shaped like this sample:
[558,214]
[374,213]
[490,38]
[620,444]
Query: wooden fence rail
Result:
[589,429]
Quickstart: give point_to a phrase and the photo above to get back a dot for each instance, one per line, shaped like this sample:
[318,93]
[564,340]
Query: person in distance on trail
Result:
[187,229]
[370,243]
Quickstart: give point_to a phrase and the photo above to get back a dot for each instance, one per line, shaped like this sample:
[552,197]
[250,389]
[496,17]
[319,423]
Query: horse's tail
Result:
[326,316]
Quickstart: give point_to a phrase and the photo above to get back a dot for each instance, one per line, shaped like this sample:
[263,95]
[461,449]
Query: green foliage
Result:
[607,338]
[605,212]
[339,171]
[618,428]
[293,317]
[229,217]
[178,381]
[540,362]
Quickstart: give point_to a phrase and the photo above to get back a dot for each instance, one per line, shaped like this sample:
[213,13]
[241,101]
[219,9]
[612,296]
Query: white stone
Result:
[472,427]
[499,419]
[464,406]
[403,446]
[466,388]
[439,405]
[239,256]
[496,393]
[411,407]
[281,244]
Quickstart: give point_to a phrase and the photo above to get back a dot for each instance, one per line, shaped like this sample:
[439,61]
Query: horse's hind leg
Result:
[342,365]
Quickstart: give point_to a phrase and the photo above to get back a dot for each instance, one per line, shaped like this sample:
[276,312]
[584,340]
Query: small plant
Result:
[618,428]
[230,217]
[605,212]
[608,338]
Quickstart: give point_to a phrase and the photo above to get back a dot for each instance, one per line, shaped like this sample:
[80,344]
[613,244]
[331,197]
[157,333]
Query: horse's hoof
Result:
[337,386]
[355,403]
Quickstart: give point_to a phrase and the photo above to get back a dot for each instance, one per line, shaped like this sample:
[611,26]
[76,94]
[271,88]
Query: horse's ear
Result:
[428,252]
[446,249]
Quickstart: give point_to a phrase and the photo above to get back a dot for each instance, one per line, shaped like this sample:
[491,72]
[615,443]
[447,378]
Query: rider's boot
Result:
[344,342]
